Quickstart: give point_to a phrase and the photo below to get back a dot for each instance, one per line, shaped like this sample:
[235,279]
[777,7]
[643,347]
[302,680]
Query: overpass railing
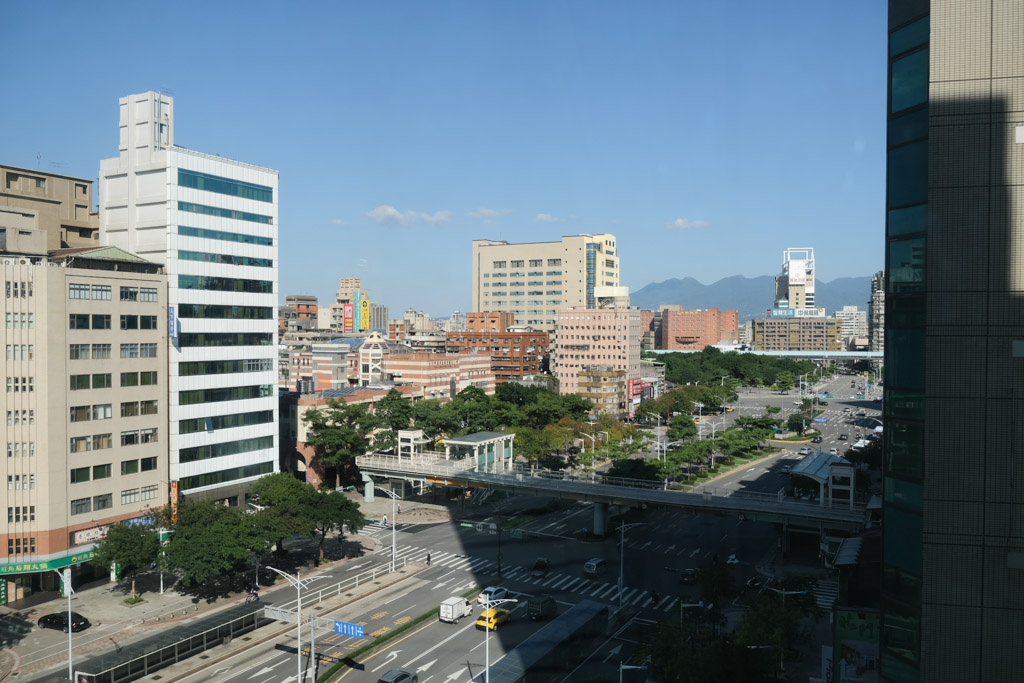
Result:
[596,484]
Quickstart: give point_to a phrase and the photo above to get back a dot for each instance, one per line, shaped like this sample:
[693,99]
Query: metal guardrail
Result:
[311,597]
[635,489]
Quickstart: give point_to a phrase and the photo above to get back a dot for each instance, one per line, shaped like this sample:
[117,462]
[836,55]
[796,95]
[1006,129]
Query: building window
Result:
[147,378]
[148,294]
[101,411]
[129,350]
[498,264]
[101,321]
[226,259]
[147,435]
[130,438]
[129,496]
[225,284]
[536,262]
[101,351]
[101,292]
[103,502]
[81,413]
[77,382]
[149,464]
[225,236]
[101,471]
[129,379]
[149,492]
[226,186]
[129,294]
[129,467]
[78,321]
[101,381]
[554,262]
[147,322]
[78,291]
[224,213]
[79,475]
[225,394]
[129,322]
[129,408]
[81,506]
[147,350]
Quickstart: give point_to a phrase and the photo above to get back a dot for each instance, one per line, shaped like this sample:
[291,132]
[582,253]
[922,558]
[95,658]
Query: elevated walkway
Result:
[433,468]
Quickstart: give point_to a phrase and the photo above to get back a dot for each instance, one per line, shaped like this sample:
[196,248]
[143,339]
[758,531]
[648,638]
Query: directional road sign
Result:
[347,629]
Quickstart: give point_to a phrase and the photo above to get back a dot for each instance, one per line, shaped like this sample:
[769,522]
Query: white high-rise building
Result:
[212,223]
[853,322]
[794,288]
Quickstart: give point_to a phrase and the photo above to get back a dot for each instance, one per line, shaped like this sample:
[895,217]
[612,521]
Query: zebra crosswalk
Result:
[520,575]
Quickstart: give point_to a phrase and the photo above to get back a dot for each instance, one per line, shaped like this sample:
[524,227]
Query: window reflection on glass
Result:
[909,81]
[906,266]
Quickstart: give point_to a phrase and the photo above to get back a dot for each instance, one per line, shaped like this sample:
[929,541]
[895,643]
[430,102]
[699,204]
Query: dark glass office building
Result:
[953,557]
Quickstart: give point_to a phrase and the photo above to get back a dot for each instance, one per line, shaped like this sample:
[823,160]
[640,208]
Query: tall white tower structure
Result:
[212,222]
[794,288]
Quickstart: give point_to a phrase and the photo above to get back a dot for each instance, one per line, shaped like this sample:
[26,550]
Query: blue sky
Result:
[707,136]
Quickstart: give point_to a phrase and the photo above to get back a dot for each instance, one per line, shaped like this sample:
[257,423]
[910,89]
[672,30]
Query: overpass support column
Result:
[784,538]
[367,487]
[600,518]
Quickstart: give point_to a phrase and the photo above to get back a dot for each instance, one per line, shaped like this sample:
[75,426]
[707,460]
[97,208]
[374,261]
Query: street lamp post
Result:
[622,555]
[261,508]
[623,667]
[394,499]
[299,584]
[782,648]
[488,604]
[68,590]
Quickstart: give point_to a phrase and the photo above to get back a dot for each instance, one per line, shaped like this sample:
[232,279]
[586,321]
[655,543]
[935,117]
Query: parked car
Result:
[491,619]
[399,676]
[805,451]
[492,593]
[59,621]
[833,451]
[540,567]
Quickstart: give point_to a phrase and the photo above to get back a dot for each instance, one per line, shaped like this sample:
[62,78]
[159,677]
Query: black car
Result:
[688,576]
[816,439]
[59,621]
[842,437]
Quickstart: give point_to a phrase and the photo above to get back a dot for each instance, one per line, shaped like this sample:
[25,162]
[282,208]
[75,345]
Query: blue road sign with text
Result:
[347,629]
[821,419]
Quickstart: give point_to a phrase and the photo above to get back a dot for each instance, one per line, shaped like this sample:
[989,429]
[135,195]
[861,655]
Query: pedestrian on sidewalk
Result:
[385,520]
[428,559]
[399,509]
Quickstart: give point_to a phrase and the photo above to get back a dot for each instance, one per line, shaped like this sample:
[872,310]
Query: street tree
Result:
[435,418]
[796,423]
[338,433]
[129,546]
[393,412]
[328,510]
[210,540]
[280,515]
[784,381]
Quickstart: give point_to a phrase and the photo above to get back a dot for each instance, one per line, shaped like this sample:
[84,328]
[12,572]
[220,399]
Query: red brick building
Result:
[698,329]
[513,355]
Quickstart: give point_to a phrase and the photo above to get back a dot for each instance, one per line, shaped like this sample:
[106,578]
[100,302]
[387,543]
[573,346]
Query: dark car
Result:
[399,676]
[842,437]
[688,576]
[59,621]
[540,567]
[816,439]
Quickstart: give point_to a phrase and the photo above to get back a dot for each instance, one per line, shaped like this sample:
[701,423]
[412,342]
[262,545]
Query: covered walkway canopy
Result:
[490,451]
[830,471]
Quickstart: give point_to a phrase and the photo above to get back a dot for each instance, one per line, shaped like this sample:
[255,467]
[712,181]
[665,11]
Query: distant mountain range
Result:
[750,296]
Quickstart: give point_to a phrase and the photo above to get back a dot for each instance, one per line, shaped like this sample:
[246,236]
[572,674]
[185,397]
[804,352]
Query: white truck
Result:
[453,609]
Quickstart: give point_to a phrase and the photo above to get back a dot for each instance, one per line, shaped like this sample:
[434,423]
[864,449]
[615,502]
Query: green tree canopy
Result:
[393,412]
[339,432]
[329,510]
[130,546]
[210,539]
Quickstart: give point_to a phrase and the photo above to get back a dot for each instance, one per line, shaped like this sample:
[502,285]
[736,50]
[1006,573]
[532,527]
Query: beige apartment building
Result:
[797,334]
[535,280]
[605,387]
[59,204]
[587,337]
[84,403]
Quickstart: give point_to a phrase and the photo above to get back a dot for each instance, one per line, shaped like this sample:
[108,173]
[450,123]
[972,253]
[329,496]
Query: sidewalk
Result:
[115,623]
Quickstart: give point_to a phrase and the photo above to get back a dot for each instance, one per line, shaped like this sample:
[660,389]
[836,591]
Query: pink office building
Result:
[595,336]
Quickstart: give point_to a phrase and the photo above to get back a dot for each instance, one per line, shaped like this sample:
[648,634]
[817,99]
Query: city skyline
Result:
[403,133]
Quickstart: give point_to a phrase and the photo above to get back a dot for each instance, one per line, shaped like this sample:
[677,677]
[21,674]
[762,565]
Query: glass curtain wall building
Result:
[212,222]
[953,550]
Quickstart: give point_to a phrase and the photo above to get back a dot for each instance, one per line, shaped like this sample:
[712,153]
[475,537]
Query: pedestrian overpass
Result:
[435,469]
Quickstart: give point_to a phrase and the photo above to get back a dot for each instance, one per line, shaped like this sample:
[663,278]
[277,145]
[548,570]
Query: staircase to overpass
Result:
[434,469]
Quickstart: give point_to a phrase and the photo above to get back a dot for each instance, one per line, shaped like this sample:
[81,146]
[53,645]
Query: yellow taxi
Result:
[492,618]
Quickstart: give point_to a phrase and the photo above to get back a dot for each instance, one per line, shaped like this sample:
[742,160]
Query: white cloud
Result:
[389,215]
[547,218]
[686,224]
[337,221]
[437,217]
[486,214]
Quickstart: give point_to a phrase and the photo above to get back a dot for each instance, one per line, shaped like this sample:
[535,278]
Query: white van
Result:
[453,609]
[595,566]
